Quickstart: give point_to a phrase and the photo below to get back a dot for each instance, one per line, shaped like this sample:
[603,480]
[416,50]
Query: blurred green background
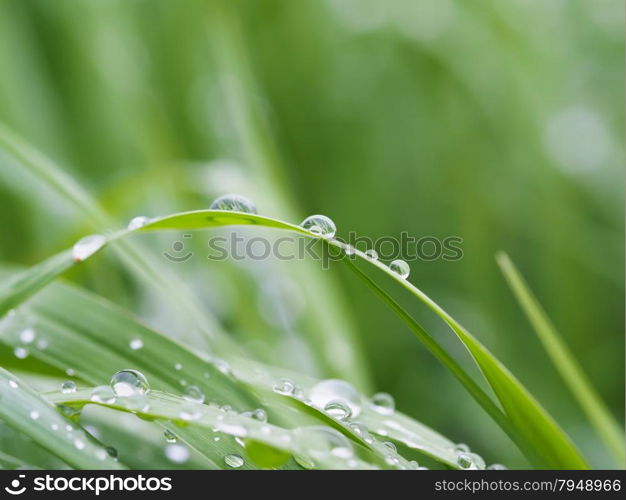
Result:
[499,122]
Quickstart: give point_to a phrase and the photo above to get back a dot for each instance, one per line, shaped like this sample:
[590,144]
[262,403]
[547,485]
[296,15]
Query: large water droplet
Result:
[338,410]
[234,461]
[284,386]
[68,387]
[383,403]
[129,383]
[87,246]
[194,394]
[233,203]
[320,225]
[401,268]
[137,222]
[326,391]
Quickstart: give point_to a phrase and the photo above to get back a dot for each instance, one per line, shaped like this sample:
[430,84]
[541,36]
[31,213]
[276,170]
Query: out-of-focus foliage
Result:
[499,122]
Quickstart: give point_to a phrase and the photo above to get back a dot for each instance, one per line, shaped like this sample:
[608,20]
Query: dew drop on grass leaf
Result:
[234,461]
[329,390]
[371,254]
[338,410]
[401,268]
[137,222]
[68,387]
[87,246]
[112,452]
[234,203]
[350,250]
[190,412]
[461,448]
[470,461]
[176,453]
[129,383]
[320,225]
[284,386]
[194,394]
[20,353]
[319,442]
[136,344]
[259,414]
[13,384]
[102,394]
[170,437]
[79,444]
[383,403]
[390,445]
[34,414]
[27,336]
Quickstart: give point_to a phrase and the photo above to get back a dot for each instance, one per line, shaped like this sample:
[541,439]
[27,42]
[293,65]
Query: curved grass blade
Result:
[26,411]
[551,446]
[570,370]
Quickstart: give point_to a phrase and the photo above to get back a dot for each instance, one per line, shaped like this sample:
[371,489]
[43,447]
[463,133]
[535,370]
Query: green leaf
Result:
[27,412]
[568,367]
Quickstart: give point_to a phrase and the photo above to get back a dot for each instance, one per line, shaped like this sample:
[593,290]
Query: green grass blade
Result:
[26,411]
[570,370]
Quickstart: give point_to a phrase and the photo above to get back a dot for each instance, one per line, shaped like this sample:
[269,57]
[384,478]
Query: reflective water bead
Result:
[170,437]
[259,414]
[320,225]
[461,448]
[129,383]
[87,246]
[194,394]
[34,414]
[137,222]
[284,386]
[371,254]
[470,461]
[338,409]
[177,453]
[350,250]
[27,335]
[390,445]
[496,467]
[136,344]
[234,461]
[233,203]
[68,387]
[329,390]
[401,268]
[112,452]
[20,353]
[79,444]
[13,384]
[383,403]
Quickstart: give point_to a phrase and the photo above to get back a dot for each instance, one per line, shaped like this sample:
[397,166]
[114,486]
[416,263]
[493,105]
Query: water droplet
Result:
[79,444]
[234,461]
[137,402]
[326,391]
[27,336]
[137,222]
[259,414]
[383,403]
[70,372]
[176,453]
[178,367]
[34,414]
[338,410]
[461,448]
[391,446]
[129,383]
[68,387]
[319,441]
[13,384]
[496,467]
[361,431]
[320,225]
[112,452]
[54,427]
[70,411]
[136,344]
[87,246]
[401,268]
[170,437]
[233,203]
[222,366]
[193,393]
[371,254]
[470,461]
[20,353]
[102,394]
[349,249]
[284,386]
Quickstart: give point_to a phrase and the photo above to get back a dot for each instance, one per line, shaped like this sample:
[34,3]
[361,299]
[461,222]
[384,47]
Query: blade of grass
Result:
[26,411]
[568,367]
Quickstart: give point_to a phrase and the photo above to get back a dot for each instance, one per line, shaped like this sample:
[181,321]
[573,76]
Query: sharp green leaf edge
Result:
[545,443]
